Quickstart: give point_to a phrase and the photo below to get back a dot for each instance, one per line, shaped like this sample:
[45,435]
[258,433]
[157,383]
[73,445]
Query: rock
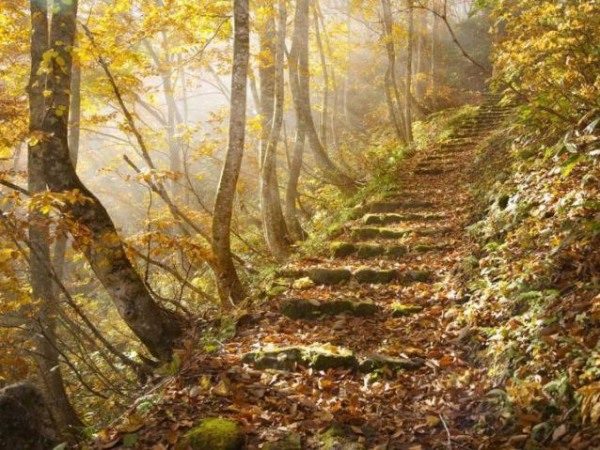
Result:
[379,362]
[318,357]
[386,233]
[401,309]
[433,231]
[368,275]
[335,438]
[307,309]
[416,276]
[25,422]
[423,248]
[214,433]
[303,283]
[290,272]
[321,275]
[342,249]
[541,432]
[383,219]
[290,442]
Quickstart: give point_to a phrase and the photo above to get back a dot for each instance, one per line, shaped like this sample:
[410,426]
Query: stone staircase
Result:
[384,269]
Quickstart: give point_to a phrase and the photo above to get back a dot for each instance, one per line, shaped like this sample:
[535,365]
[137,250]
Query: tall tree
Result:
[229,284]
[392,92]
[274,225]
[47,356]
[300,87]
[157,328]
[291,192]
[408,84]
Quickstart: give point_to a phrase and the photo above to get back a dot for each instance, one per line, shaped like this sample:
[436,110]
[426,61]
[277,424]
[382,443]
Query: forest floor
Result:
[360,350]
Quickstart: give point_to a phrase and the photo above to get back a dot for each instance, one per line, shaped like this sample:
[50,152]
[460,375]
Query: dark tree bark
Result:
[274,226]
[47,357]
[300,86]
[155,327]
[229,285]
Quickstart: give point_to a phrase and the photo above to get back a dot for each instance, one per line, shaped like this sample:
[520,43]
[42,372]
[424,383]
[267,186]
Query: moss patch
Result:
[309,309]
[368,233]
[370,251]
[215,434]
[342,249]
[416,276]
[335,438]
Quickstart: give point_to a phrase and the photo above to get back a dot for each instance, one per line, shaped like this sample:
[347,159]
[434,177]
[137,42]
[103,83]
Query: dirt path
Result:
[363,341]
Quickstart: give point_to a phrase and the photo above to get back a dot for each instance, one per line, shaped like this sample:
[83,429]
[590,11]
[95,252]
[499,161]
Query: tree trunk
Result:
[155,327]
[47,357]
[325,112]
[391,82]
[291,193]
[274,226]
[229,285]
[300,86]
[434,51]
[408,84]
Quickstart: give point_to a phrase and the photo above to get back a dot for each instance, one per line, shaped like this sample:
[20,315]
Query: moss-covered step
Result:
[432,171]
[424,248]
[416,276]
[432,231]
[390,218]
[367,251]
[371,233]
[325,357]
[213,433]
[374,276]
[328,276]
[387,207]
[316,356]
[382,362]
[297,308]
[404,309]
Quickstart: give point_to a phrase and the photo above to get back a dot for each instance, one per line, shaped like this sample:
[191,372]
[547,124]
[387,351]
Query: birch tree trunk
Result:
[229,285]
[291,193]
[47,357]
[157,328]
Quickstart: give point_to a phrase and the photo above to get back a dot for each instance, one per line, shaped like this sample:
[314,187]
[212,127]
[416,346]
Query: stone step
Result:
[433,231]
[387,207]
[403,309]
[424,248]
[390,218]
[299,308]
[330,276]
[372,233]
[434,170]
[366,251]
[326,357]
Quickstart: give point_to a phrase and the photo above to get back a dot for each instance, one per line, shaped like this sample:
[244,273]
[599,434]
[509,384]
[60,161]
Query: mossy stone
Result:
[278,358]
[372,219]
[423,248]
[320,275]
[365,233]
[290,442]
[342,249]
[303,283]
[401,309]
[290,272]
[215,433]
[368,275]
[384,207]
[387,233]
[370,251]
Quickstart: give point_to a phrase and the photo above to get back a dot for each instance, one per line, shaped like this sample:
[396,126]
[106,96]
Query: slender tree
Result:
[157,328]
[229,285]
[291,192]
[408,84]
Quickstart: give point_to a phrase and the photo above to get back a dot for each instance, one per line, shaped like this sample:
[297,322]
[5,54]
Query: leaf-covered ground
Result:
[451,400]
